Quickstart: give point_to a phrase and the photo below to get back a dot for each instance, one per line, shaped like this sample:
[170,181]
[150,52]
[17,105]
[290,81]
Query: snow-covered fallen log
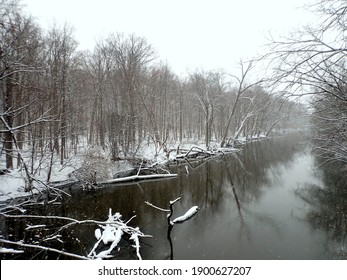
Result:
[137,178]
[195,152]
[188,215]
[199,153]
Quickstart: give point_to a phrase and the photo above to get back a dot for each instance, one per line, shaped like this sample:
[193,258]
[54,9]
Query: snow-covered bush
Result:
[95,167]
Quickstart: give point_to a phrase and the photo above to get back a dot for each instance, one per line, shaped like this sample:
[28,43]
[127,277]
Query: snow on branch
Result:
[112,233]
[44,248]
[137,178]
[188,215]
[181,219]
[10,251]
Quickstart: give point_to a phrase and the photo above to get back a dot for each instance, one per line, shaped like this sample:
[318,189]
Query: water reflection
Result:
[328,202]
[249,209]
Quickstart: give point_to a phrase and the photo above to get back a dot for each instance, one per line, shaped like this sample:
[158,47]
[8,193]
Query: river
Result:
[265,202]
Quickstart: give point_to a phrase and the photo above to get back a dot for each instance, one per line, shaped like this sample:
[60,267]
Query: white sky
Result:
[187,34]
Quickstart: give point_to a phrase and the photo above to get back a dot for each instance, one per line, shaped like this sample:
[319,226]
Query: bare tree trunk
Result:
[242,88]
[8,107]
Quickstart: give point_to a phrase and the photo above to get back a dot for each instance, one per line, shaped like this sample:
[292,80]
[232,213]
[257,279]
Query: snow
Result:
[97,233]
[138,177]
[12,185]
[189,214]
[150,151]
[112,233]
[55,237]
[10,250]
[135,238]
[34,227]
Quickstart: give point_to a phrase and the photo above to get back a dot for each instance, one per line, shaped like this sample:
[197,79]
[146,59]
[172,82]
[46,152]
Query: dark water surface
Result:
[266,202]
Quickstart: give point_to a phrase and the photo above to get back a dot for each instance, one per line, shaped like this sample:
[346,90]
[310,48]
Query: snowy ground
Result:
[12,184]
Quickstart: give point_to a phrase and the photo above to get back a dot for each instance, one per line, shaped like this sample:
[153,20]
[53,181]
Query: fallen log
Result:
[137,178]
[195,152]
[199,153]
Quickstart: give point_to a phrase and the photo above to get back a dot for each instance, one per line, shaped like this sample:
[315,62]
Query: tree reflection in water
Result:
[328,204]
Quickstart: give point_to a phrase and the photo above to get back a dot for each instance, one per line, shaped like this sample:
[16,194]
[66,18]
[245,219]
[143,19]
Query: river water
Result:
[265,202]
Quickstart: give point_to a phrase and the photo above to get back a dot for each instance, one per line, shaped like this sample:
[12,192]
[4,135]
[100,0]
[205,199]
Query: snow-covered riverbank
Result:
[96,161]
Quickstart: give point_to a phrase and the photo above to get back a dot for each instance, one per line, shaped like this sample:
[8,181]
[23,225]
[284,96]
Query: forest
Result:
[55,99]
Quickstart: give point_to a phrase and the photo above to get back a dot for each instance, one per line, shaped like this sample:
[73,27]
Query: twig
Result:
[127,222]
[174,201]
[136,240]
[73,221]
[156,207]
[138,172]
[43,248]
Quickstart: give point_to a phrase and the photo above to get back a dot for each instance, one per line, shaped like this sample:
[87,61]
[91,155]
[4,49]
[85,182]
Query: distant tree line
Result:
[55,98]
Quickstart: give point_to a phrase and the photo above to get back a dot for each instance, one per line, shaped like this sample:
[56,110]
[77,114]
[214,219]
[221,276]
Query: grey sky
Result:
[187,34]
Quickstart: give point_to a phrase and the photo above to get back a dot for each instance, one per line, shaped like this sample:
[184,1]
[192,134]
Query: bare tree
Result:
[312,62]
[19,41]
[208,90]
[158,98]
[242,88]
[99,66]
[131,55]
[59,55]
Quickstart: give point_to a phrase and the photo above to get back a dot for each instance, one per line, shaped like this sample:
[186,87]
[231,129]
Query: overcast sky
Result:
[188,34]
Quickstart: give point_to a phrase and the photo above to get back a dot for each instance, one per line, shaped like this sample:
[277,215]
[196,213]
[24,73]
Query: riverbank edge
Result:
[147,158]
